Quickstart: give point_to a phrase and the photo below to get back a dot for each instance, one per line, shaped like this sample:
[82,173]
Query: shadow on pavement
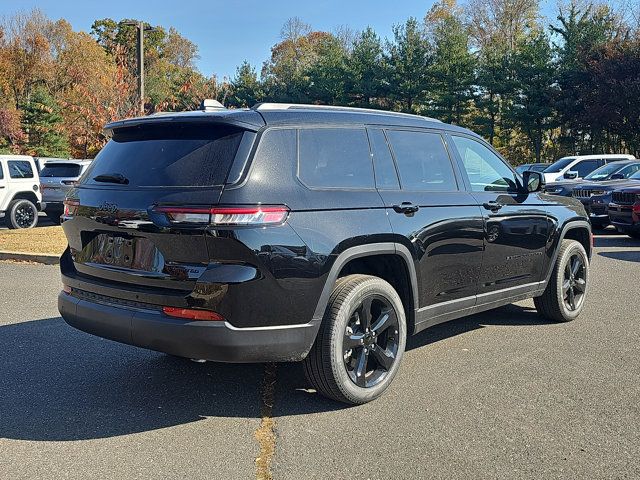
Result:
[59,384]
[615,240]
[628,256]
[293,396]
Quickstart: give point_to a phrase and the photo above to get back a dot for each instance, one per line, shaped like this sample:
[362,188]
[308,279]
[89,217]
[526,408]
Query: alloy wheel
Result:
[25,216]
[574,282]
[370,344]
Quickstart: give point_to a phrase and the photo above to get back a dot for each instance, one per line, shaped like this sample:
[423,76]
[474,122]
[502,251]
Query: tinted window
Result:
[61,170]
[585,167]
[423,161]
[180,155]
[558,165]
[20,169]
[386,176]
[335,158]
[630,170]
[1,172]
[486,171]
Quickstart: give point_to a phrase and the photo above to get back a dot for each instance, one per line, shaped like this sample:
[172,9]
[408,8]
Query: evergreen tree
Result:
[408,59]
[42,124]
[535,89]
[246,87]
[453,66]
[367,73]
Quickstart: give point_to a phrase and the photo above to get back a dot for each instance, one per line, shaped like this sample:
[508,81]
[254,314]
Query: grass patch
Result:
[34,240]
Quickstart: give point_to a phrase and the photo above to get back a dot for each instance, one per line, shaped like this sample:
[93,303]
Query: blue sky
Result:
[228,32]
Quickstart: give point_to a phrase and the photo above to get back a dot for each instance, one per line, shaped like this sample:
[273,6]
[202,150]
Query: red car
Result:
[624,210]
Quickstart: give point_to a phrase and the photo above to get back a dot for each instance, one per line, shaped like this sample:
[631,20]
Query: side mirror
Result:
[533,181]
[616,176]
[570,175]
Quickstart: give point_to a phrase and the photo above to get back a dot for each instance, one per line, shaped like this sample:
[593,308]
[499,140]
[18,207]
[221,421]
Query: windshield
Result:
[604,172]
[153,156]
[559,165]
[60,170]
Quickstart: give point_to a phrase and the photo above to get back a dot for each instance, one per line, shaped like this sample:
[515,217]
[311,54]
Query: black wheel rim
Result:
[574,283]
[370,344]
[24,215]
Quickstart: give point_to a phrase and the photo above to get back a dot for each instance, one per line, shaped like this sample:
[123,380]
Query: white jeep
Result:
[20,197]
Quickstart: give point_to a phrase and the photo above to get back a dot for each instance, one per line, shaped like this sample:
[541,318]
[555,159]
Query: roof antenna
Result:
[209,105]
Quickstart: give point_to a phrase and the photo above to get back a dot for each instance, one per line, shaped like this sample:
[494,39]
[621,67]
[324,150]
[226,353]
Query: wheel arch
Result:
[579,230]
[26,195]
[375,259]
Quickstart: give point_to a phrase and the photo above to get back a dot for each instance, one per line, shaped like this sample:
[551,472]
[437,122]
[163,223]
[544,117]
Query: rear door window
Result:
[61,170]
[423,161]
[179,155]
[20,169]
[585,167]
[335,158]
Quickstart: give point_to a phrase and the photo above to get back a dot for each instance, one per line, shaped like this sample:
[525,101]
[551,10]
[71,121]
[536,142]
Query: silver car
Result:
[56,178]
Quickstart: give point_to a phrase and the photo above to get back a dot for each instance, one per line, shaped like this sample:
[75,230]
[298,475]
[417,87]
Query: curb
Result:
[46,258]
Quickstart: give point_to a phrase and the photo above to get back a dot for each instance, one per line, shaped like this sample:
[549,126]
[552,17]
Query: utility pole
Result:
[140,28]
[141,65]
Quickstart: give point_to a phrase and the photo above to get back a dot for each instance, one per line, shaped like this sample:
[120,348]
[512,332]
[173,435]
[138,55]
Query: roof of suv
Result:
[286,114]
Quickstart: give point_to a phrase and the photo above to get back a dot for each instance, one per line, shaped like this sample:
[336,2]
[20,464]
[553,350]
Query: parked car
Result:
[56,178]
[618,170]
[596,196]
[298,232]
[534,167]
[20,195]
[575,167]
[624,210]
[40,161]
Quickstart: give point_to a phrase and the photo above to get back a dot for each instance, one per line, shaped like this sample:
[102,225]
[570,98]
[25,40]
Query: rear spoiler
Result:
[245,119]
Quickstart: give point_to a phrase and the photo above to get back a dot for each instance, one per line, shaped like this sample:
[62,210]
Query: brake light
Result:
[70,207]
[636,207]
[192,314]
[232,216]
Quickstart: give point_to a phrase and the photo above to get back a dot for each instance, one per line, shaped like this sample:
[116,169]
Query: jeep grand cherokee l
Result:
[624,210]
[327,235]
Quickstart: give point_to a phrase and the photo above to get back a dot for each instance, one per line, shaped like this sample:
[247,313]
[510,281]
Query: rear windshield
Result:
[557,166]
[176,155]
[60,170]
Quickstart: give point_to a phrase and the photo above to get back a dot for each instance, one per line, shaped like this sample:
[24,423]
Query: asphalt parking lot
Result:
[503,394]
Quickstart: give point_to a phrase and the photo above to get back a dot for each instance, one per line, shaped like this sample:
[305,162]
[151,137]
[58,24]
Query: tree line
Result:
[536,89]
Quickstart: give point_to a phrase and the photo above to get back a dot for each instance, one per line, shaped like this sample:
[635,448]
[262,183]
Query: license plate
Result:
[122,252]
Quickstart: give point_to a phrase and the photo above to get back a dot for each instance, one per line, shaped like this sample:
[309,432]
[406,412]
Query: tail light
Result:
[258,215]
[70,207]
[192,314]
[42,187]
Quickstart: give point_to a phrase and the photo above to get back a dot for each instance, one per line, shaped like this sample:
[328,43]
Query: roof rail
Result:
[335,108]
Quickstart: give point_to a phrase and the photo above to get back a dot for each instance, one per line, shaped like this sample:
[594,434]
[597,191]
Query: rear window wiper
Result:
[112,178]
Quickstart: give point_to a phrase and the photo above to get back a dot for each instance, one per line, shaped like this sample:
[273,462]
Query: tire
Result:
[564,297]
[21,213]
[331,368]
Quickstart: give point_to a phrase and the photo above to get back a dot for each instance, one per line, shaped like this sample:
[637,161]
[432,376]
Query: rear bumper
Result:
[216,341]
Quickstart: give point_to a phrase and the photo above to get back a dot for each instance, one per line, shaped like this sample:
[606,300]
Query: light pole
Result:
[140,54]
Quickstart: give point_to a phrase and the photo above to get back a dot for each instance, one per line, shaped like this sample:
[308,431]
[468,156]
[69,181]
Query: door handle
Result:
[407,208]
[492,205]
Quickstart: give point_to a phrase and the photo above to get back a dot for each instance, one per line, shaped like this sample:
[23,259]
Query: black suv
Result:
[322,234]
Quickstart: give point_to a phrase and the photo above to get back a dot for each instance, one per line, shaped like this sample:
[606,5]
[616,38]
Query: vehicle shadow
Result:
[59,384]
[294,396]
[614,239]
[628,256]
